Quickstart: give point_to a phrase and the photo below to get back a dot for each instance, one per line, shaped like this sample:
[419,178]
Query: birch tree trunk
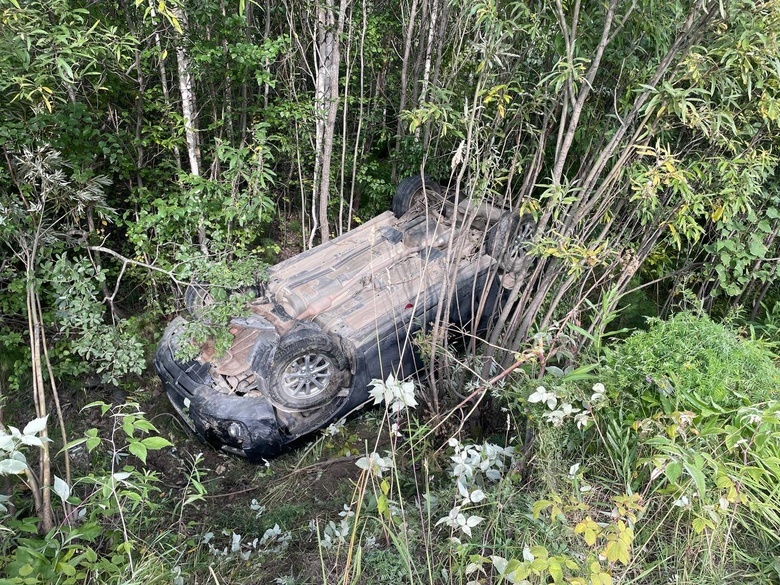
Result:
[188,102]
[189,109]
[330,26]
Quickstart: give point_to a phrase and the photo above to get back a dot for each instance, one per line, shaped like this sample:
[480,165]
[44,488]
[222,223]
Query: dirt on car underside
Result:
[384,269]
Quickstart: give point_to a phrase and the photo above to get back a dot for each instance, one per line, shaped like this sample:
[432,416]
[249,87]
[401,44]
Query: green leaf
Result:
[581,373]
[539,565]
[12,467]
[673,471]
[89,532]
[155,443]
[381,505]
[104,408]
[556,571]
[555,371]
[91,443]
[66,569]
[753,472]
[698,477]
[61,488]
[699,524]
[35,426]
[138,449]
[65,69]
[32,440]
[757,247]
[617,550]
[540,506]
[71,444]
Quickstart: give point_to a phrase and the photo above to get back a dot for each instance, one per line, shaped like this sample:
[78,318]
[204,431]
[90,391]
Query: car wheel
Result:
[508,240]
[307,372]
[413,191]
[196,298]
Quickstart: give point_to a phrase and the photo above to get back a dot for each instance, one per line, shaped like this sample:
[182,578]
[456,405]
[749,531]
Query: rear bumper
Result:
[242,425]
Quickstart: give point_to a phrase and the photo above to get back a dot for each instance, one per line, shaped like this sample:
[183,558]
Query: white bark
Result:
[330,26]
[188,103]
[189,111]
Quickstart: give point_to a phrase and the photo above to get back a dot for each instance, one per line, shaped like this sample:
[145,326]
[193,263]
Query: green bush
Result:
[674,433]
[690,358]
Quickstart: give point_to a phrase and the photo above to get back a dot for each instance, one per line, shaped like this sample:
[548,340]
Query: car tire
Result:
[508,240]
[197,297]
[307,372]
[412,191]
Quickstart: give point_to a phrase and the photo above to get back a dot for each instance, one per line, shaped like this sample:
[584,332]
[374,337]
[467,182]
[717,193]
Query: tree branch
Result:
[128,261]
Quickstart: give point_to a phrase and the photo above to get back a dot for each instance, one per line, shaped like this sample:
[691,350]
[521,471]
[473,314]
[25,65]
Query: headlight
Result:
[236,432]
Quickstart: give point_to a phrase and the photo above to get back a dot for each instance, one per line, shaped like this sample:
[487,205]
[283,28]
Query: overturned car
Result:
[329,320]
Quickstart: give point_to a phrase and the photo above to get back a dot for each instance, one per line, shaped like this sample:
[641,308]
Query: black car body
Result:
[337,316]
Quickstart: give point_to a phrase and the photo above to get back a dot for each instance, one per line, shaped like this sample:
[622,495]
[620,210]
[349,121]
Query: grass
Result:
[618,484]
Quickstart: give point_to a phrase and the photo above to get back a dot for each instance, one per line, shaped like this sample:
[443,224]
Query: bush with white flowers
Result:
[335,533]
[374,464]
[471,466]
[397,395]
[273,541]
[559,411]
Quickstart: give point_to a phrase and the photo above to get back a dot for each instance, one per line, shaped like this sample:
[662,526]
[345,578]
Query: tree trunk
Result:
[43,504]
[426,80]
[188,102]
[408,37]
[329,29]
[189,109]
[244,85]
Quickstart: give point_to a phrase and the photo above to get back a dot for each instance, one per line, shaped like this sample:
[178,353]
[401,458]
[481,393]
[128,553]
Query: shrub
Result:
[680,433]
[689,357]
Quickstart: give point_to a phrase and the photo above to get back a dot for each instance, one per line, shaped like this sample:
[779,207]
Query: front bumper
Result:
[242,425]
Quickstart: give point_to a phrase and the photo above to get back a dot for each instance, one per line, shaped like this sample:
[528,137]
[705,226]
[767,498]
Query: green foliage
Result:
[691,360]
[90,344]
[50,48]
[492,95]
[104,512]
[14,362]
[53,200]
[745,243]
[679,442]
[236,205]
[225,286]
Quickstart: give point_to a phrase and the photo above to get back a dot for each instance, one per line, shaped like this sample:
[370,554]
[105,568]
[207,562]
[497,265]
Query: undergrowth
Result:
[657,463]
